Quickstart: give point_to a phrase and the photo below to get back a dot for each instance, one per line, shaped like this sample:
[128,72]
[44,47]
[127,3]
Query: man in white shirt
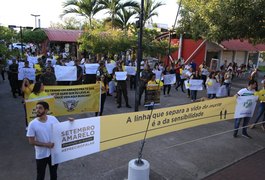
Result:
[39,134]
[249,91]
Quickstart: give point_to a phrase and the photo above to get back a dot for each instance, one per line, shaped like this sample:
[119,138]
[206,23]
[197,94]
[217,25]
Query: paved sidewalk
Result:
[194,153]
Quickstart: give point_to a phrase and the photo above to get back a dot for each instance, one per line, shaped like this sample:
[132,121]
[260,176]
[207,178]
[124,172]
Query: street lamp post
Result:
[35,15]
[21,34]
[139,56]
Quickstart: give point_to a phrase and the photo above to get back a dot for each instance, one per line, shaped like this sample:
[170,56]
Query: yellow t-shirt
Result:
[28,91]
[41,94]
[38,69]
[261,95]
[103,88]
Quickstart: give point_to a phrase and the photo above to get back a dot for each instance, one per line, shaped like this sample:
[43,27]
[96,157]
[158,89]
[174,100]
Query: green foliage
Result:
[222,20]
[36,36]
[113,41]
[68,23]
[6,34]
[105,42]
[86,8]
[115,6]
[150,7]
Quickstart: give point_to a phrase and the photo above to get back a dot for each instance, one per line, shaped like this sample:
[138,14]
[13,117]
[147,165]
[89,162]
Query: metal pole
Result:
[35,15]
[139,56]
[21,41]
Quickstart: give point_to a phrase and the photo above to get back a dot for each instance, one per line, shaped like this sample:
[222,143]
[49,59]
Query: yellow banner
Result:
[120,129]
[31,106]
[75,99]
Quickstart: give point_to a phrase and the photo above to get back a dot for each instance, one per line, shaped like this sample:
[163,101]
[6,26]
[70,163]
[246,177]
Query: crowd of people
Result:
[45,76]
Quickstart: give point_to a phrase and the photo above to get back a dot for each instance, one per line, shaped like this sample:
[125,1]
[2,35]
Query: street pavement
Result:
[203,152]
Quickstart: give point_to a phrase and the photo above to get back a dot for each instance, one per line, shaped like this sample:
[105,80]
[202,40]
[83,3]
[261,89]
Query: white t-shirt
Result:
[42,133]
[246,92]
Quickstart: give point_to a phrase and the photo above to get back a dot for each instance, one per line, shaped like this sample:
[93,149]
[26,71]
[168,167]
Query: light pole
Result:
[139,56]
[35,15]
[21,34]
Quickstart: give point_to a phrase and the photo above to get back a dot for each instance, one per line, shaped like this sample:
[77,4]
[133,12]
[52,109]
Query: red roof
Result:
[62,35]
[260,47]
[238,45]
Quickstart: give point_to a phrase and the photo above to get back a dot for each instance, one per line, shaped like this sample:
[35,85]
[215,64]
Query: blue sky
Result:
[17,12]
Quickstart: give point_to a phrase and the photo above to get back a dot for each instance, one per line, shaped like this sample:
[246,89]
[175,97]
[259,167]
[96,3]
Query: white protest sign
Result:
[110,67]
[158,74]
[91,68]
[75,139]
[26,73]
[65,73]
[222,91]
[70,63]
[22,64]
[130,70]
[213,88]
[245,106]
[169,79]
[121,76]
[194,84]
[32,59]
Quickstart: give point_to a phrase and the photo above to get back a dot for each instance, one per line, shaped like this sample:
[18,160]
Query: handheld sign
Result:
[91,68]
[121,76]
[65,73]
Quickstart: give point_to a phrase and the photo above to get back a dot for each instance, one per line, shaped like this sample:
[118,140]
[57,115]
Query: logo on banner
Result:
[248,103]
[70,105]
[78,136]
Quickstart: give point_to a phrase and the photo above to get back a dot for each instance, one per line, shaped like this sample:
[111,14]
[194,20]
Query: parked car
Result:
[18,46]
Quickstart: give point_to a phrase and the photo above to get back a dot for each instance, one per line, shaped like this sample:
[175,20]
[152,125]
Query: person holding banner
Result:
[79,74]
[145,76]
[122,89]
[27,87]
[249,91]
[210,82]
[261,109]
[38,91]
[168,70]
[193,93]
[182,78]
[100,80]
[104,72]
[40,135]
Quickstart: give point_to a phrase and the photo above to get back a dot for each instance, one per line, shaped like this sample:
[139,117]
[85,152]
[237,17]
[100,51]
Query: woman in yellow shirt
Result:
[38,91]
[27,87]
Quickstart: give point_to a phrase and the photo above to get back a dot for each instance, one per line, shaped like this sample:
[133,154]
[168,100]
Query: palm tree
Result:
[114,6]
[86,8]
[123,17]
[150,7]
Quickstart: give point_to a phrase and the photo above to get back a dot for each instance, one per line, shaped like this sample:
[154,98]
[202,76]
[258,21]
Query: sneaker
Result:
[235,135]
[247,136]
[128,106]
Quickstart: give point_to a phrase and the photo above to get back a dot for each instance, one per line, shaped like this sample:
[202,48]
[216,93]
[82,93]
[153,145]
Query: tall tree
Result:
[226,19]
[114,6]
[150,7]
[123,17]
[86,8]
